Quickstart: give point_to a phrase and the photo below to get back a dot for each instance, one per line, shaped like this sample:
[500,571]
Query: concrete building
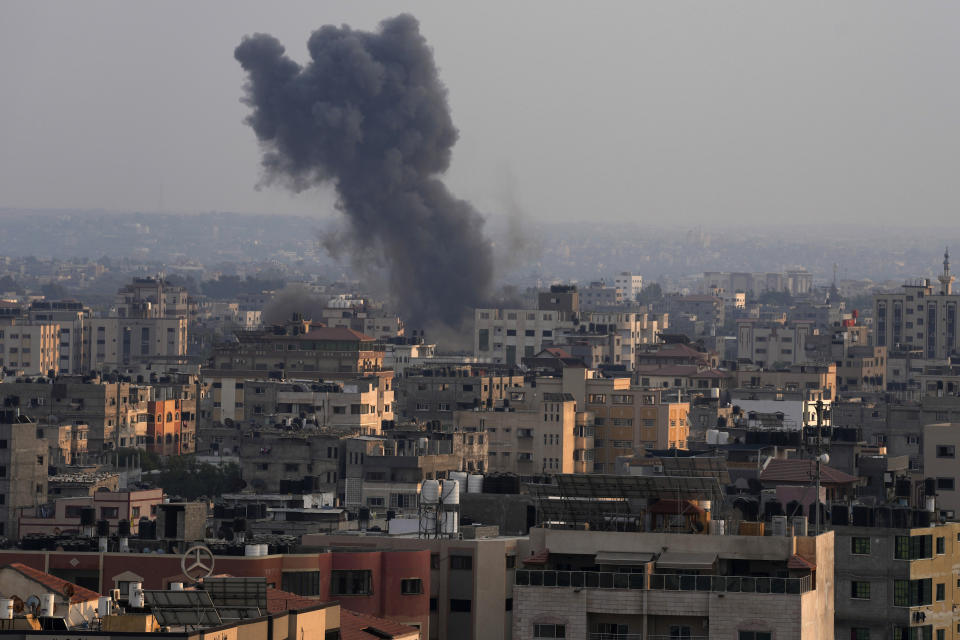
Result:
[919,316]
[63,516]
[599,295]
[820,380]
[539,433]
[23,470]
[74,320]
[897,582]
[796,282]
[431,394]
[630,283]
[30,349]
[610,584]
[767,343]
[471,586]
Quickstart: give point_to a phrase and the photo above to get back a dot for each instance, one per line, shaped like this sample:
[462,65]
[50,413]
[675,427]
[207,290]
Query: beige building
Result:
[540,433]
[23,469]
[798,378]
[30,349]
[941,444]
[766,343]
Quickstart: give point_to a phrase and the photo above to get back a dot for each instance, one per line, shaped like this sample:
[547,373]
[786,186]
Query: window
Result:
[946,451]
[73,512]
[860,589]
[860,546]
[859,633]
[302,583]
[941,592]
[945,484]
[460,606]
[433,604]
[108,513]
[350,583]
[913,548]
[411,586]
[462,563]
[549,631]
[511,562]
[941,545]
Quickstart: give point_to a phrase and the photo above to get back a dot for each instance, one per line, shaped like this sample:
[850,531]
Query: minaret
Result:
[946,280]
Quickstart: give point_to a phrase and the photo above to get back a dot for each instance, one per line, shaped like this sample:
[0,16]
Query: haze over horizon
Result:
[684,112]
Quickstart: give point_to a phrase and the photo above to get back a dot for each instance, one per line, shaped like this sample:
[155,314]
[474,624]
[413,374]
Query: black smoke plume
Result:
[369,115]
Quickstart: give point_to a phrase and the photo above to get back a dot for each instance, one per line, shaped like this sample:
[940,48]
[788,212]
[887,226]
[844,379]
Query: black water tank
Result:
[840,515]
[930,486]
[103,528]
[239,524]
[123,528]
[88,516]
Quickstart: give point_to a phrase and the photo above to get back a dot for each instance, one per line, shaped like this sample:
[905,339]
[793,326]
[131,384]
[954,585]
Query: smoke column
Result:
[369,115]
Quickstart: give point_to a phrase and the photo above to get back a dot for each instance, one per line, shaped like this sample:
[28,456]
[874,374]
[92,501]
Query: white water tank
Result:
[251,550]
[475,483]
[135,595]
[46,604]
[450,492]
[423,444]
[779,525]
[718,527]
[430,492]
[714,393]
[931,504]
[6,609]
[461,477]
[799,526]
[712,436]
[264,549]
[706,505]
[428,523]
[176,586]
[450,524]
[104,606]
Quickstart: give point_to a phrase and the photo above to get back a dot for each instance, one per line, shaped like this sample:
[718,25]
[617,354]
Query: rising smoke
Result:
[369,115]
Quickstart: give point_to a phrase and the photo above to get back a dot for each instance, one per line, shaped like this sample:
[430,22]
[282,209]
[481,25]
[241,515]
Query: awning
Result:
[686,560]
[622,558]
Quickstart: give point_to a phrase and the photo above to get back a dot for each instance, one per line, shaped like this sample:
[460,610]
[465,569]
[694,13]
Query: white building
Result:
[630,284]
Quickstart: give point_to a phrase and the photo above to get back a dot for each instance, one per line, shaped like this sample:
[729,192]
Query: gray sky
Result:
[664,111]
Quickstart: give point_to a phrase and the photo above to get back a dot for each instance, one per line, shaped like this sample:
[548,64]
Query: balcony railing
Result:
[662,582]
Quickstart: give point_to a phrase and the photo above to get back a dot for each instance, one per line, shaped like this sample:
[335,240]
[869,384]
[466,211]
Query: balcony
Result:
[662,582]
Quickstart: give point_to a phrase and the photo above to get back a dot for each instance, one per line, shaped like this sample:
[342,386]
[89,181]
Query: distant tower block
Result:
[946,280]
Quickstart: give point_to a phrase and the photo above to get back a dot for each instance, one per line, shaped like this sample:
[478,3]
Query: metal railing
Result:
[662,582]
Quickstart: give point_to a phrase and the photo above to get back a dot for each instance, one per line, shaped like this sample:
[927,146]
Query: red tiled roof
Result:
[558,352]
[353,625]
[802,471]
[538,558]
[279,601]
[796,562]
[55,584]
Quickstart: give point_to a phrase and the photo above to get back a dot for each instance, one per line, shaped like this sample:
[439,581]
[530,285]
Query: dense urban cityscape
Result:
[420,417]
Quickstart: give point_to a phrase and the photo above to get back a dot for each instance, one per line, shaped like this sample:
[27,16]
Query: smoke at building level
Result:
[369,115]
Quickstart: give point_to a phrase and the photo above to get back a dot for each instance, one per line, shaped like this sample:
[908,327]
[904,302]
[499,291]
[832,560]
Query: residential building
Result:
[74,321]
[919,316]
[818,379]
[65,515]
[598,295]
[630,283]
[769,343]
[431,394]
[23,469]
[30,349]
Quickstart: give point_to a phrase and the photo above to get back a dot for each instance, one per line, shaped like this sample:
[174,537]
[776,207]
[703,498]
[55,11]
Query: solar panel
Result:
[238,598]
[713,467]
[182,608]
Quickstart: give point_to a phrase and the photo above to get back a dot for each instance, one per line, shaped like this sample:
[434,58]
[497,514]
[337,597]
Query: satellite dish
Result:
[17,604]
[33,602]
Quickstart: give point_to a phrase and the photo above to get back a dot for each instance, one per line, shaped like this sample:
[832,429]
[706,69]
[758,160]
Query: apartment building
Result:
[23,469]
[624,417]
[897,582]
[598,295]
[767,343]
[74,321]
[112,409]
[919,316]
[30,349]
[630,283]
[471,580]
[539,433]
[805,378]
[431,394]
[667,573]
[299,349]
[796,282]
[64,515]
[940,445]
[361,405]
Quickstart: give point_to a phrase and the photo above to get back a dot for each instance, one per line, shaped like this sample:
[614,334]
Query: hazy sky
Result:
[671,111]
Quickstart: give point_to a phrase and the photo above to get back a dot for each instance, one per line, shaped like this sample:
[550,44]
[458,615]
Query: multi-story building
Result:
[539,433]
[64,516]
[23,469]
[299,349]
[74,320]
[806,378]
[796,282]
[767,343]
[920,317]
[630,283]
[666,573]
[471,580]
[599,295]
[709,309]
[431,394]
[115,411]
[897,581]
[30,349]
